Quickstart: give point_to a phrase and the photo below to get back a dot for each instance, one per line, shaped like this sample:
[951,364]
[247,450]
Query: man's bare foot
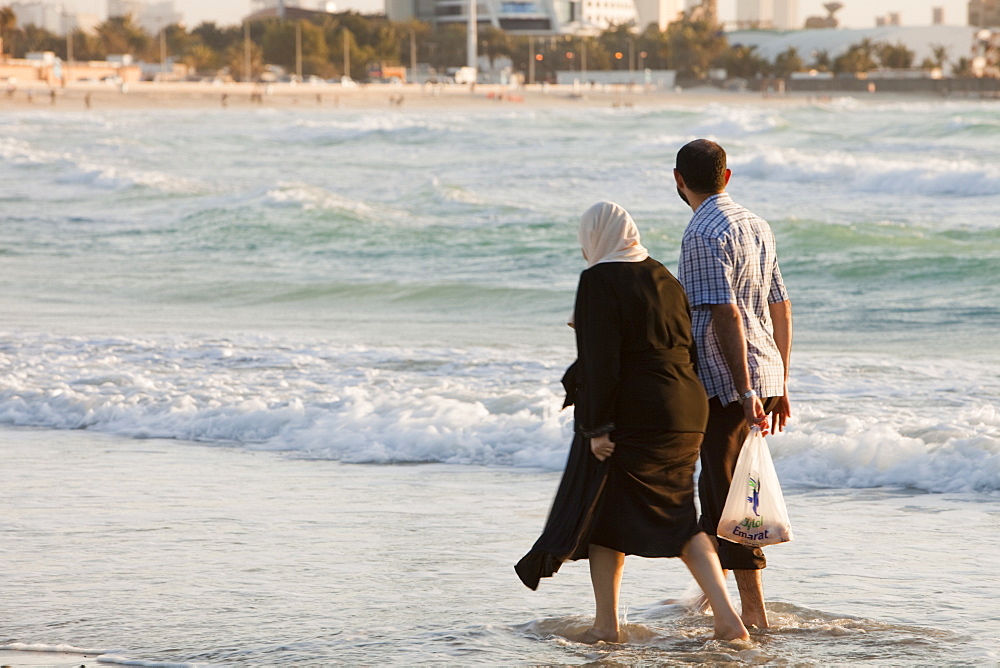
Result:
[594,635]
[752,598]
[755,619]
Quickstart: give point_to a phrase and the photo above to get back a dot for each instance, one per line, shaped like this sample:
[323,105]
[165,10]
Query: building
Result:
[51,17]
[890,19]
[544,17]
[286,12]
[834,42]
[78,21]
[604,14]
[525,17]
[660,12]
[937,16]
[984,13]
[767,14]
[38,14]
[828,21]
[158,15]
[322,6]
[152,17]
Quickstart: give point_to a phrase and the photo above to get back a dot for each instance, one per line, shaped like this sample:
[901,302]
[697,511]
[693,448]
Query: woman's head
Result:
[608,234]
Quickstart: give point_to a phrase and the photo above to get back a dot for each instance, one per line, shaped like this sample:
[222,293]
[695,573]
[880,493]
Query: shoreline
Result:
[37,96]
[51,657]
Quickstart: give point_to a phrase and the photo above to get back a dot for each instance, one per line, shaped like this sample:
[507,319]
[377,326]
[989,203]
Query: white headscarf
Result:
[608,234]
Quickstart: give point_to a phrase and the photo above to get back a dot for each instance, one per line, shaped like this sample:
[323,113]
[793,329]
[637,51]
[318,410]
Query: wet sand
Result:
[177,552]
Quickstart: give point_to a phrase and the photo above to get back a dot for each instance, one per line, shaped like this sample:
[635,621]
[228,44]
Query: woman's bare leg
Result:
[606,567]
[702,560]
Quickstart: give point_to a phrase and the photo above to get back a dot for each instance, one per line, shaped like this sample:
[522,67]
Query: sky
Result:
[855,14]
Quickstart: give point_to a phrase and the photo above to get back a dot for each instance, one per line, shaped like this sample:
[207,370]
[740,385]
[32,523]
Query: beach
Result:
[280,383]
[376,97]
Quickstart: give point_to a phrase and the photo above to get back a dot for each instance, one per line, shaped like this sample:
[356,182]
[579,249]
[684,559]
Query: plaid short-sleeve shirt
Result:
[728,256]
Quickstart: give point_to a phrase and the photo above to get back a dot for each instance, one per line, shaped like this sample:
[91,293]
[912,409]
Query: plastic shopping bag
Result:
[755,513]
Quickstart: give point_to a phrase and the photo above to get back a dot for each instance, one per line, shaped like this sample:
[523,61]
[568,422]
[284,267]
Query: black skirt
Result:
[638,501]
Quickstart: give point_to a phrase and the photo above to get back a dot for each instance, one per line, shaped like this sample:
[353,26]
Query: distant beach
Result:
[156,95]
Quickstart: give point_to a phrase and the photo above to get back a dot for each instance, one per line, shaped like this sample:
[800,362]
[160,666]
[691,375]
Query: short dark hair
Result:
[702,163]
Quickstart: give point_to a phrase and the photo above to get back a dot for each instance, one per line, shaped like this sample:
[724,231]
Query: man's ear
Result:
[729,173]
[678,179]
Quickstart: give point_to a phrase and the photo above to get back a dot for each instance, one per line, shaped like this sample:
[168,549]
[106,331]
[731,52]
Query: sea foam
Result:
[872,173]
[481,407]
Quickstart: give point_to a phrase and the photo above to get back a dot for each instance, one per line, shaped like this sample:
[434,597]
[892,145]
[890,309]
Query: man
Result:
[742,326]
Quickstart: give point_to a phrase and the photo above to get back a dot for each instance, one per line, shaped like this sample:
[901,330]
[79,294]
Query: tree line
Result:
[347,43]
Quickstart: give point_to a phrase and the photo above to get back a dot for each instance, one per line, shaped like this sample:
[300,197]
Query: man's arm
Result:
[728,325]
[781,318]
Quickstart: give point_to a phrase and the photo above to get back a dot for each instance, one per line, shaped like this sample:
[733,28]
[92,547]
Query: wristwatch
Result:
[749,393]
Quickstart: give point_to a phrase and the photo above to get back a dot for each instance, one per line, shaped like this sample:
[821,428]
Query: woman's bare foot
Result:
[595,635]
[730,631]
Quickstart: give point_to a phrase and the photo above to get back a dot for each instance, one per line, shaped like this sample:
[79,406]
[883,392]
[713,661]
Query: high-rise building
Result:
[984,13]
[39,14]
[604,14]
[152,16]
[786,15]
[660,12]
[890,19]
[767,14]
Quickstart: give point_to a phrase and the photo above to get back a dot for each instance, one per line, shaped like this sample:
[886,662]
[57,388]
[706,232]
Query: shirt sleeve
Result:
[598,344]
[708,271]
[777,293]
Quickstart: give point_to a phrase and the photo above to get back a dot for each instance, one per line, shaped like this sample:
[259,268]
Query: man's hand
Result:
[753,411]
[781,413]
[602,447]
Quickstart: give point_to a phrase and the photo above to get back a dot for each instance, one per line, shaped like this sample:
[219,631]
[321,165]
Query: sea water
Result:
[351,293]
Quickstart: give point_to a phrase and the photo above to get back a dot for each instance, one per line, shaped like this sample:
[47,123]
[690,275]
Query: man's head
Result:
[701,170]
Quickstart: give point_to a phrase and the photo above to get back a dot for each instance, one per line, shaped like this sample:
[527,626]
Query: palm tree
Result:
[963,68]
[743,62]
[8,21]
[940,52]
[859,58]
[695,43]
[821,60]
[120,34]
[787,62]
[895,56]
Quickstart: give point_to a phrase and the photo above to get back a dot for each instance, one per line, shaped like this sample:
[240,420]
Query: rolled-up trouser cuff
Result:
[734,556]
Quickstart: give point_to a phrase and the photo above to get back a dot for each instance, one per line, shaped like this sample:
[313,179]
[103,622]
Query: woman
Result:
[640,416]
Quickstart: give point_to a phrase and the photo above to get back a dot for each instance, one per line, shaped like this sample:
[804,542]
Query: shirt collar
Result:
[715,200]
